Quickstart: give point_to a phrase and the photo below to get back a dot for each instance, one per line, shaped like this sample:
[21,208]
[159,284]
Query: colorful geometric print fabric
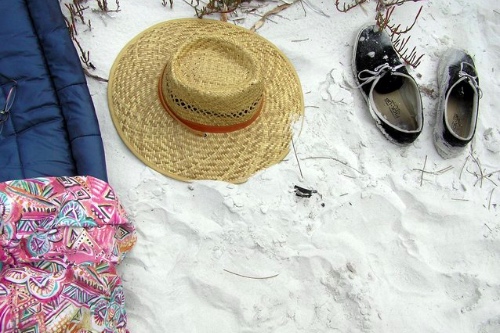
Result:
[61,239]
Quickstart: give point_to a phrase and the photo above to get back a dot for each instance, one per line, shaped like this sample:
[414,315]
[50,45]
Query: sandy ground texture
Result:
[381,246]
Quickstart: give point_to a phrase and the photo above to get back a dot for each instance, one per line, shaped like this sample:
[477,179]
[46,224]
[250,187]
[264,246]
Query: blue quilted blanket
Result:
[50,127]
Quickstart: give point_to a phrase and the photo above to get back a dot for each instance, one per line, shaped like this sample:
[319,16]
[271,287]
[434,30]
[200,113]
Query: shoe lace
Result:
[366,75]
[471,78]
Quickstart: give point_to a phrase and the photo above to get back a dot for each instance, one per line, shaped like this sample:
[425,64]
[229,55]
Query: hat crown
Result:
[214,83]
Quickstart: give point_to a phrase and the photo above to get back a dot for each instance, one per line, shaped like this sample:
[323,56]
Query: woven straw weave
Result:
[226,89]
[167,146]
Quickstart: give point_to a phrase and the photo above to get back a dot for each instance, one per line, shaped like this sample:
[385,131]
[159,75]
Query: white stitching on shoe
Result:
[378,72]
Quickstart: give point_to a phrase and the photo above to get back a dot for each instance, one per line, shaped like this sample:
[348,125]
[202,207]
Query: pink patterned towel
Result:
[61,239]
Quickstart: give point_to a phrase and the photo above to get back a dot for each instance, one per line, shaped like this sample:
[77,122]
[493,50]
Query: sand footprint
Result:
[491,326]
[463,290]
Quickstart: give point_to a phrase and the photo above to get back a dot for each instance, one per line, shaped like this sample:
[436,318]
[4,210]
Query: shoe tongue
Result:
[389,83]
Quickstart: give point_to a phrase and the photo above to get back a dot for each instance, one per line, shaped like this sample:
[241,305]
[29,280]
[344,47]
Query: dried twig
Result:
[347,7]
[491,195]
[436,173]
[164,3]
[94,76]
[252,277]
[463,167]
[103,6]
[482,172]
[384,11]
[213,6]
[273,11]
[492,173]
[440,172]
[84,55]
[298,163]
[400,47]
[76,10]
[331,158]
[422,176]
[396,29]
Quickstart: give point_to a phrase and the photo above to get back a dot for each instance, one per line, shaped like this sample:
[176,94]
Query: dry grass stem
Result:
[213,6]
[480,173]
[332,158]
[75,12]
[436,173]
[297,158]
[383,18]
[491,195]
[479,176]
[94,76]
[463,167]
[422,175]
[273,11]
[252,277]
[103,6]
[313,7]
[347,7]
[166,2]
[393,28]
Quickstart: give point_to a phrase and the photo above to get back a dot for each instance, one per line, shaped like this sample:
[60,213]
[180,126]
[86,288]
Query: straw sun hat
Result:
[204,99]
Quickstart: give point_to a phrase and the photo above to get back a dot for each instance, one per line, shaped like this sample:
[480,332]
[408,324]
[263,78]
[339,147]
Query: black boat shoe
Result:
[392,94]
[458,105]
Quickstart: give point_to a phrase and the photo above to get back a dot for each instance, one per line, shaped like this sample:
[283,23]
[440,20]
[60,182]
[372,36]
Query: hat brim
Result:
[164,144]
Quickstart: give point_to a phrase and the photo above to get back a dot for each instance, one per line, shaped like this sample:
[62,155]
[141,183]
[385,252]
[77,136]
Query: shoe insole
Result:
[459,115]
[396,110]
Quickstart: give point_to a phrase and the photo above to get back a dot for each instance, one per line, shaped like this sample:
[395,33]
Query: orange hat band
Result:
[201,129]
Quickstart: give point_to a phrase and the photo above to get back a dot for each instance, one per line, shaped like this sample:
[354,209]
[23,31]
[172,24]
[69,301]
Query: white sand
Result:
[378,249]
